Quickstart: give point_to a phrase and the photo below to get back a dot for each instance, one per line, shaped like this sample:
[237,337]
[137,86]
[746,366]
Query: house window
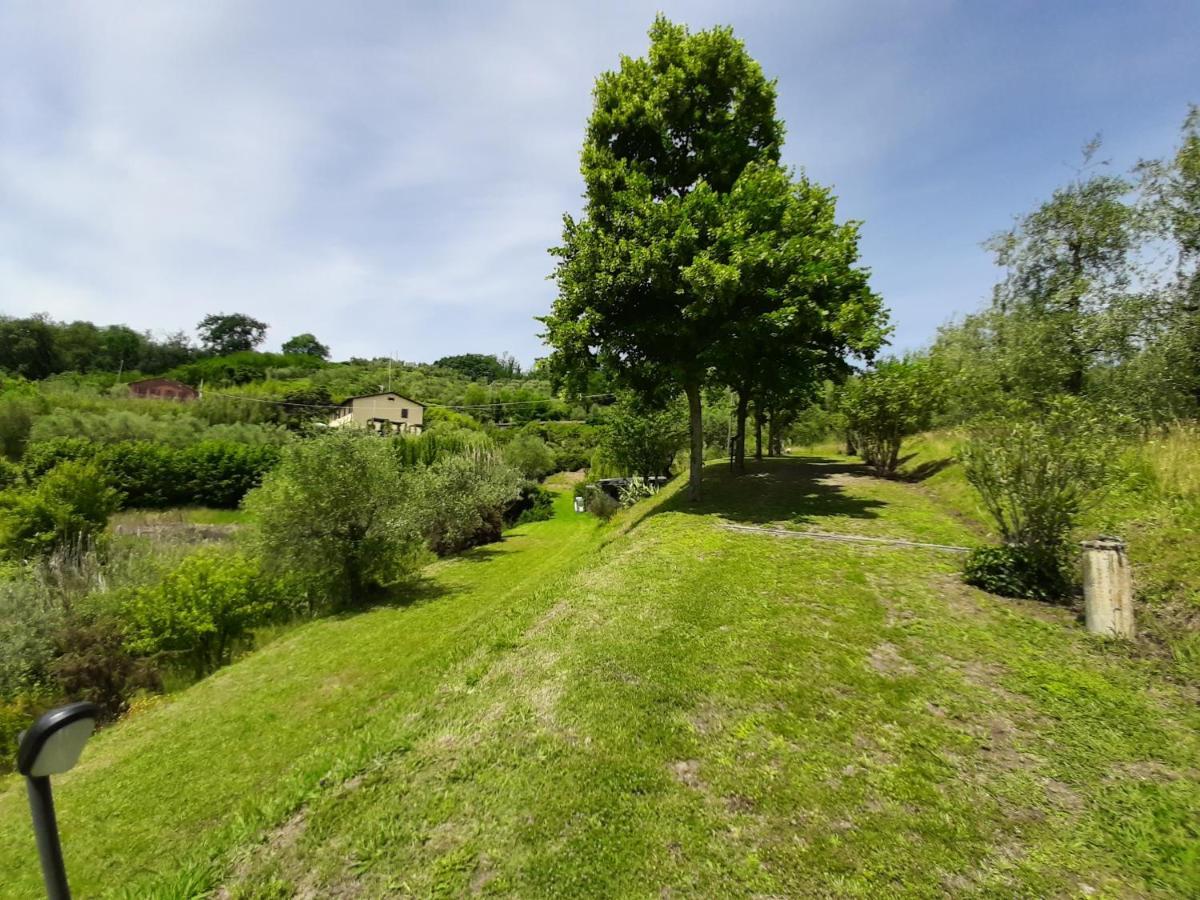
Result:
[404,413]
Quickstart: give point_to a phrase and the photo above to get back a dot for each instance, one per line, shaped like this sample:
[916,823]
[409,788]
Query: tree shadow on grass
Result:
[416,591]
[925,470]
[789,490]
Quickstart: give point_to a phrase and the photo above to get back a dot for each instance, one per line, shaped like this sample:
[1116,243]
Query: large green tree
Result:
[222,333]
[796,301]
[670,134]
[305,345]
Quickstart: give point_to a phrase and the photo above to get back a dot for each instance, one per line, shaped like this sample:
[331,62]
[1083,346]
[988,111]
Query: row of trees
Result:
[699,259]
[37,346]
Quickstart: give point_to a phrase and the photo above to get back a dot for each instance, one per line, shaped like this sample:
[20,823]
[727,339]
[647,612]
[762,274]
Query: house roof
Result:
[350,400]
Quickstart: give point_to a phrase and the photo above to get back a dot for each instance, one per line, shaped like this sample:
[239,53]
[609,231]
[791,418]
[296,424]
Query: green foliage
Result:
[428,447]
[94,662]
[1032,573]
[883,406]
[221,333]
[533,504]
[337,515]
[572,443]
[635,490]
[460,500]
[208,473]
[243,367]
[68,507]
[639,441]
[669,135]
[596,500]
[18,409]
[529,455]
[124,425]
[198,611]
[38,347]
[481,366]
[305,344]
[1035,474]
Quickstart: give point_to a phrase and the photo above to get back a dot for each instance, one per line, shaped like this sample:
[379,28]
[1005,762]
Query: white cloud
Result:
[374,170]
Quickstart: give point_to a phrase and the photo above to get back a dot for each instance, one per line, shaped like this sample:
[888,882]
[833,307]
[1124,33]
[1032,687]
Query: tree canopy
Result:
[222,333]
[306,345]
[695,246]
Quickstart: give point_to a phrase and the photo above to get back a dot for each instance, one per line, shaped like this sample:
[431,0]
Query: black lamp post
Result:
[51,746]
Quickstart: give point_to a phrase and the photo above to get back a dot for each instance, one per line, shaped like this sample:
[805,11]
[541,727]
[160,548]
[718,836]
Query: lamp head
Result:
[53,743]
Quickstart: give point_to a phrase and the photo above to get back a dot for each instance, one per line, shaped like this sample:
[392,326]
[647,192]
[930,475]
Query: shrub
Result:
[11,475]
[1031,573]
[885,405]
[200,610]
[69,507]
[533,504]
[596,500]
[427,448]
[637,488]
[460,500]
[93,663]
[153,476]
[1035,473]
[643,442]
[337,515]
[529,455]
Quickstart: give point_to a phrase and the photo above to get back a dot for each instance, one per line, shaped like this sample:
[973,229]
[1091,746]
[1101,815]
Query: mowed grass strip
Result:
[176,788]
[712,714]
[663,707]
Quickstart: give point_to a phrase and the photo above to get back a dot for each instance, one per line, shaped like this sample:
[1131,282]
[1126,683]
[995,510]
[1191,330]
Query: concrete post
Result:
[1107,588]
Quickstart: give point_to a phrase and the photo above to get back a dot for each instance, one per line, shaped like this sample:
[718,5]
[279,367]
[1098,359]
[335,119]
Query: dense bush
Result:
[243,367]
[198,612]
[114,426]
[460,500]
[533,504]
[337,514]
[596,500]
[1031,573]
[210,473]
[885,405]
[1035,472]
[572,443]
[530,456]
[426,449]
[643,442]
[93,661]
[70,505]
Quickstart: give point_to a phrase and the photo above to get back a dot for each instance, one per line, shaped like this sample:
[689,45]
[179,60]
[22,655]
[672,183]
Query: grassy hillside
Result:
[658,707]
[1154,505]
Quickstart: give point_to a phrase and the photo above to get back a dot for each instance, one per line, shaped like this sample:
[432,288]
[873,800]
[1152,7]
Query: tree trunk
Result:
[758,424]
[739,438]
[696,424]
[772,437]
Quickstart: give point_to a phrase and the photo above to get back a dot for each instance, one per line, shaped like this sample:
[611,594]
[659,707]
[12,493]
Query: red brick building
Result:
[162,389]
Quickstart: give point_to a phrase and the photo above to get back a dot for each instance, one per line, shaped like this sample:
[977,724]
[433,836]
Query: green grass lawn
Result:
[658,707]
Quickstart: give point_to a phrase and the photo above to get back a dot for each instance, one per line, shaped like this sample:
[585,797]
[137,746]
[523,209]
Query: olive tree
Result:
[335,514]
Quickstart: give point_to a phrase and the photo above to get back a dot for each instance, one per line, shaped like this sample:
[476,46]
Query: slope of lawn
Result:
[659,707]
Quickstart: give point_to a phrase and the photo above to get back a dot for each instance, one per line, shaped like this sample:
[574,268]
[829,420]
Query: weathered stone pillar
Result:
[1107,588]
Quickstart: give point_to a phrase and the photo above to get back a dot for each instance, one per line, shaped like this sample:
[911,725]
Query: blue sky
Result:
[389,175]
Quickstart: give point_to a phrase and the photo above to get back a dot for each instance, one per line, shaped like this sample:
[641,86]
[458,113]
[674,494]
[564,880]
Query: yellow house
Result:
[385,413]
